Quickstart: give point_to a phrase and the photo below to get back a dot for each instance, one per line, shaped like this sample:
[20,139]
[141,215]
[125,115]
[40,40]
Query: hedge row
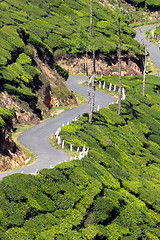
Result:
[56,25]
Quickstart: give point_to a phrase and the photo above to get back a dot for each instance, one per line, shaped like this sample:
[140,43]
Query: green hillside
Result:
[65,25]
[53,28]
[113,193]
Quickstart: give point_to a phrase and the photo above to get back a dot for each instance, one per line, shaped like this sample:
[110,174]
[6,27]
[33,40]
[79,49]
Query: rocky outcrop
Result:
[10,155]
[52,92]
[106,65]
[49,100]
[13,161]
[24,115]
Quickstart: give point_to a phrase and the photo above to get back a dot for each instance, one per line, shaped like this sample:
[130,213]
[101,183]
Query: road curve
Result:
[37,138]
[153,49]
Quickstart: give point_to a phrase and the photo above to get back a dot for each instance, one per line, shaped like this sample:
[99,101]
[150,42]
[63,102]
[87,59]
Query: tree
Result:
[91,17]
[144,71]
[93,87]
[119,60]
[91,97]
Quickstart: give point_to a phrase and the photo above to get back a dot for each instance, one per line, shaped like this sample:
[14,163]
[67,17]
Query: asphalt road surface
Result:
[153,49]
[37,138]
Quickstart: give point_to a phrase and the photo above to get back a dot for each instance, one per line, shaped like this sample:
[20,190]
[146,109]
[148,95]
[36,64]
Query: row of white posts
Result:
[112,87]
[80,154]
[84,152]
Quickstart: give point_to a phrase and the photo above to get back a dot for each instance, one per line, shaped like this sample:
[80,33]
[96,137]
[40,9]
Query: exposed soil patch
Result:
[104,65]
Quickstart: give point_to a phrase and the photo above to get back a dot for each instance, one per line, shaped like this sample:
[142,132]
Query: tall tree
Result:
[91,14]
[88,79]
[144,71]
[120,67]
[93,85]
[91,97]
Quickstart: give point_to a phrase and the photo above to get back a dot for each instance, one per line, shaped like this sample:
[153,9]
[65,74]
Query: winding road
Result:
[37,138]
[153,49]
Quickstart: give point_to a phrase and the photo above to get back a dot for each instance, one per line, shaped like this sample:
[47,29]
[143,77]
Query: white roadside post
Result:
[63,144]
[104,84]
[110,86]
[71,147]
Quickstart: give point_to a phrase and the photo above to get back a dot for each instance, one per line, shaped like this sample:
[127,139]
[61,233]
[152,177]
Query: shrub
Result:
[155,138]
[23,93]
[62,72]
[6,115]
[24,59]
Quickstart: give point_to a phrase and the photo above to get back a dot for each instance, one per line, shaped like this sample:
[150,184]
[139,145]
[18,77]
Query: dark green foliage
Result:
[6,115]
[62,72]
[53,29]
[155,138]
[55,24]
[23,93]
[113,193]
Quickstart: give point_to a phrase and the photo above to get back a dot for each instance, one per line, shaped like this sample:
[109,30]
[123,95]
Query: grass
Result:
[78,75]
[112,93]
[52,139]
[141,24]
[151,68]
[58,110]
[30,156]
[15,135]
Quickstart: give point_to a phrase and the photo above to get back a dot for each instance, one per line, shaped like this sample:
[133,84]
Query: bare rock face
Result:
[49,100]
[6,141]
[104,65]
[10,156]
[14,160]
[23,113]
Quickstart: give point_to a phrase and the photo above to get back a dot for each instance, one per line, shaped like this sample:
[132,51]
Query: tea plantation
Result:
[113,193]
[53,28]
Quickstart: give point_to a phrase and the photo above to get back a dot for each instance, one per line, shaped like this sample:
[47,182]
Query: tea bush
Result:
[113,193]
[23,93]
[6,115]
[58,21]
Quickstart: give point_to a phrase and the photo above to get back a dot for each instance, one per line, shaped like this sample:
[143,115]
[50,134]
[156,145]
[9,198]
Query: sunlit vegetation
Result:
[6,116]
[51,28]
[113,193]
